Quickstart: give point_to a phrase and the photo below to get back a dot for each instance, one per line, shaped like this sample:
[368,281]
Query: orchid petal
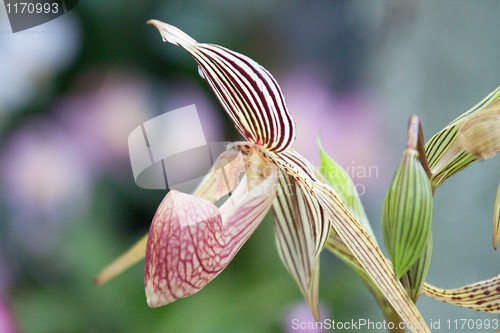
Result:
[472,136]
[126,260]
[496,220]
[295,215]
[230,165]
[481,296]
[354,236]
[248,92]
[205,190]
[174,268]
[191,241]
[289,161]
[445,155]
[479,135]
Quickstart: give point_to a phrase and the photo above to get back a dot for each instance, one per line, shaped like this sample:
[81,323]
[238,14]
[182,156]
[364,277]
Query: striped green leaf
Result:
[248,92]
[407,213]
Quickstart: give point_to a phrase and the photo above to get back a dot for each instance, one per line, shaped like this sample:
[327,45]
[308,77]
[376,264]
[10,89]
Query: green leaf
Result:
[407,213]
[344,186]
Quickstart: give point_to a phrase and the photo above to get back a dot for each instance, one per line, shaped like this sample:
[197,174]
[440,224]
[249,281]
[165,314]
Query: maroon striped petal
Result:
[247,91]
[320,224]
[191,241]
[296,216]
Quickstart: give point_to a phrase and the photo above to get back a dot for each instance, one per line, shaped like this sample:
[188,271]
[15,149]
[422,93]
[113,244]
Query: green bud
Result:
[407,213]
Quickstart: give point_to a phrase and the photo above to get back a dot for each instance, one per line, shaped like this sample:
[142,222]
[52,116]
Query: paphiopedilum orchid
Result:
[191,240]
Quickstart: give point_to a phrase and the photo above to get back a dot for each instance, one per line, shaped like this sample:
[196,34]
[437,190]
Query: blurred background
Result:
[73,89]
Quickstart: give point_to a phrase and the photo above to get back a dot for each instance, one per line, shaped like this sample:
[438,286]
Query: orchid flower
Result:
[191,240]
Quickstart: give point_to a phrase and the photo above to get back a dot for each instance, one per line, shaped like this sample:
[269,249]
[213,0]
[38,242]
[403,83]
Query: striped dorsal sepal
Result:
[248,92]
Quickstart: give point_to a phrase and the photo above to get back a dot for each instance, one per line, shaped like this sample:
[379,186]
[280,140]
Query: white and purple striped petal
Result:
[248,92]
